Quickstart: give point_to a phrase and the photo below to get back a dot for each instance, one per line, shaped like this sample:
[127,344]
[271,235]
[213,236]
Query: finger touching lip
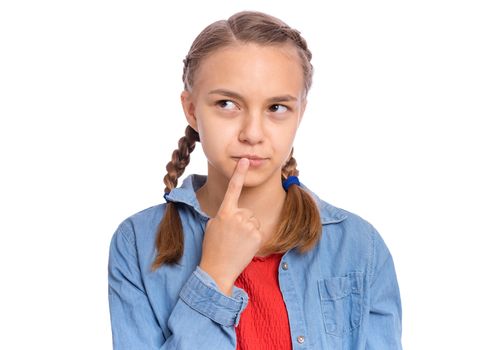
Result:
[254,162]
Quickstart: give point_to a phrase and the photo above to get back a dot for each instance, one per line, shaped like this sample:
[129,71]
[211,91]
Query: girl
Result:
[248,257]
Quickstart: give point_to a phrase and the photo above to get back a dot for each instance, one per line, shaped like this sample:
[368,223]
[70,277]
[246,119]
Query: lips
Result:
[255,161]
[251,157]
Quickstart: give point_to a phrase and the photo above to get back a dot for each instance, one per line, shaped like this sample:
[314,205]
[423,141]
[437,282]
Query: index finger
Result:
[235,185]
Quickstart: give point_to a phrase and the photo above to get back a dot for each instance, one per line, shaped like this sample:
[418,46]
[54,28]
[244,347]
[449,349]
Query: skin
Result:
[243,200]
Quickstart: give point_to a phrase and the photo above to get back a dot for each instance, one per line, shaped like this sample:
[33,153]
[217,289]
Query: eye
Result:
[226,104]
[279,108]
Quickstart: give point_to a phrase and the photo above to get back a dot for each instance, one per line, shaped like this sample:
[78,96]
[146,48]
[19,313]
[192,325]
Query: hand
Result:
[233,237]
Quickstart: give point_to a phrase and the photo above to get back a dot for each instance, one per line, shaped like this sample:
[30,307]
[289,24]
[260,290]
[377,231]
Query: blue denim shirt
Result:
[343,294]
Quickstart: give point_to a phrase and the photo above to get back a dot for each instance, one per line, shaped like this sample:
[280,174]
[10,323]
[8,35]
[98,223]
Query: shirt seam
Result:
[125,231]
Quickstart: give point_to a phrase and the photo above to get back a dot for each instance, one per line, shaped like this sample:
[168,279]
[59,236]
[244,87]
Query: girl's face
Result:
[247,101]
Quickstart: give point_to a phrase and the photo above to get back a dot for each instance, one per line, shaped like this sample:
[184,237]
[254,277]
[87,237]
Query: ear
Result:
[189,109]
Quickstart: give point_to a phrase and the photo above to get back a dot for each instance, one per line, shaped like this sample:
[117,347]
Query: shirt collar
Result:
[186,193]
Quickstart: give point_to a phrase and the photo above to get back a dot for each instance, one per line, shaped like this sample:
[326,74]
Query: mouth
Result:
[250,156]
[255,161]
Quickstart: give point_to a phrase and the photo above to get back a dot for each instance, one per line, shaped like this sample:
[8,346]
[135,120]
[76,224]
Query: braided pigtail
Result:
[169,240]
[299,224]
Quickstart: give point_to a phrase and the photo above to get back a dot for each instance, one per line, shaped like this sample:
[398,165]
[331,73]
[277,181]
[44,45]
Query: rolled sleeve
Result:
[202,294]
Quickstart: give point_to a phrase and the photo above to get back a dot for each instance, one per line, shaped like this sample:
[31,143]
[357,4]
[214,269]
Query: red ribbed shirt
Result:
[264,323]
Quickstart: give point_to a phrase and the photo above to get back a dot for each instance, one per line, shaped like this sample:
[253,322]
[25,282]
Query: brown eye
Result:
[278,108]
[225,104]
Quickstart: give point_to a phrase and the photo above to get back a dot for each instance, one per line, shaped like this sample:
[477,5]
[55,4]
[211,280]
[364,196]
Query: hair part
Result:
[246,27]
[299,224]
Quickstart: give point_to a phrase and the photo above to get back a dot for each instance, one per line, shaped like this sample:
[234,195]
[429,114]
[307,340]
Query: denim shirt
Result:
[342,294]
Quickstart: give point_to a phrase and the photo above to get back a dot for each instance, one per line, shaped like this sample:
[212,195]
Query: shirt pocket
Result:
[341,303]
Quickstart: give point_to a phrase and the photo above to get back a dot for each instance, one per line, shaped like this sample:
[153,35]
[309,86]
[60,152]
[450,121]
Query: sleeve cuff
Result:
[202,294]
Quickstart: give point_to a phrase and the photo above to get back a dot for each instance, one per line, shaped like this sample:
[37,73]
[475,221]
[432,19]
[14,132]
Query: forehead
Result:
[252,68]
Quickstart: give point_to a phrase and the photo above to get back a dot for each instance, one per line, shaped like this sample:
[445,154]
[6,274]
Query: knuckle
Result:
[240,217]
[241,213]
[250,226]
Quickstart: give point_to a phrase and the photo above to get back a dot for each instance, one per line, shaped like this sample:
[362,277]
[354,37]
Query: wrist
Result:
[224,284]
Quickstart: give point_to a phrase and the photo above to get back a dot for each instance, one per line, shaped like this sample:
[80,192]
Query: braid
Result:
[186,61]
[300,224]
[180,158]
[169,240]
[303,50]
[289,169]
[295,36]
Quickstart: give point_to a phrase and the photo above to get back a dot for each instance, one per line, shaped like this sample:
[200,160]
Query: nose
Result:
[252,129]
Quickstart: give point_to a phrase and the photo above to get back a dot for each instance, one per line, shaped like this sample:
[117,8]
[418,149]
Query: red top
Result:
[264,323]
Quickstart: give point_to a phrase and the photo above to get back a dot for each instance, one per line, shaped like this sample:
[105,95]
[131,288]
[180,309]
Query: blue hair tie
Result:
[166,196]
[291,180]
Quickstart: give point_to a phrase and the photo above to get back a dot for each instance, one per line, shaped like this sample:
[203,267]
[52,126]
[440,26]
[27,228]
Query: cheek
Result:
[283,144]
[215,139]
[284,139]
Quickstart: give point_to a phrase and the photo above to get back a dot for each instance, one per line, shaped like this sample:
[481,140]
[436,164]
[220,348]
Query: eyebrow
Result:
[237,96]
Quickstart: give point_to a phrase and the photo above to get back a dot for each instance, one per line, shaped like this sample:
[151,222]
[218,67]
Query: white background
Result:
[396,130]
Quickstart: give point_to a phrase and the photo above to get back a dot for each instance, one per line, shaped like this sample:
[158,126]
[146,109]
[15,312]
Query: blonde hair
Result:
[299,223]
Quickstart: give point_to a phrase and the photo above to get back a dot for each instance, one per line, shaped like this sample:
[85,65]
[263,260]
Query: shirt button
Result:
[285,266]
[300,339]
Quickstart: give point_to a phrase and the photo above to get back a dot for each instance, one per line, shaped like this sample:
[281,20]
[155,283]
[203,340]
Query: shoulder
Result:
[142,223]
[331,214]
[351,238]
[346,224]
